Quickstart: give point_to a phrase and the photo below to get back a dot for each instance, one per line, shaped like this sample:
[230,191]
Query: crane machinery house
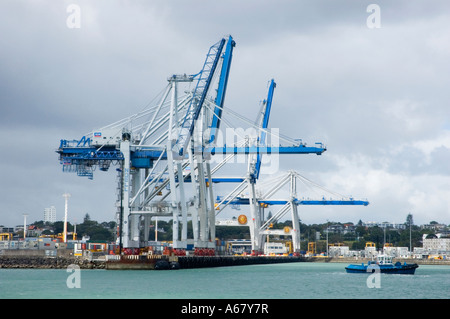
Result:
[107,137]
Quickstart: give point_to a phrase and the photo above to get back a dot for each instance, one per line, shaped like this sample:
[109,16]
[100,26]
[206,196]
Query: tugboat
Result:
[384,265]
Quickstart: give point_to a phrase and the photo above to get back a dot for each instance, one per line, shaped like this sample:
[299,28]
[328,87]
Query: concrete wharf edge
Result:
[185,262]
[222,261]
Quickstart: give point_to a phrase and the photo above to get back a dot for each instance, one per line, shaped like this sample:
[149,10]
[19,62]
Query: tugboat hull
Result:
[397,268]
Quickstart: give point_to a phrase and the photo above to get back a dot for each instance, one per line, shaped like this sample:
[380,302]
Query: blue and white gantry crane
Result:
[289,202]
[164,156]
[258,229]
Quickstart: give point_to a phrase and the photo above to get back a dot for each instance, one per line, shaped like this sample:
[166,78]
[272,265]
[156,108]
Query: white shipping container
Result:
[107,137]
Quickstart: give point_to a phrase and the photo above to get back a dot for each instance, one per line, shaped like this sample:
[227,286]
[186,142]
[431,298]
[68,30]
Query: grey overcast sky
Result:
[378,97]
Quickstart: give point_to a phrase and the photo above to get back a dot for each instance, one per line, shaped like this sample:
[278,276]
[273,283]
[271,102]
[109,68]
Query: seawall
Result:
[187,262]
[184,262]
[48,262]
[221,261]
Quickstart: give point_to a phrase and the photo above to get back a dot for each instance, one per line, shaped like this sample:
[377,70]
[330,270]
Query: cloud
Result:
[376,97]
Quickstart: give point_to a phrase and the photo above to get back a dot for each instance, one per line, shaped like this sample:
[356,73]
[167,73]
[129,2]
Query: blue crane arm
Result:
[245,201]
[265,122]
[68,151]
[299,149]
[223,82]
[333,202]
[295,149]
[203,84]
[264,125]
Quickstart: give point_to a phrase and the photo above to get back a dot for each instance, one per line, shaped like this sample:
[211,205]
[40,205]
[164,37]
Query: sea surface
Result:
[274,281]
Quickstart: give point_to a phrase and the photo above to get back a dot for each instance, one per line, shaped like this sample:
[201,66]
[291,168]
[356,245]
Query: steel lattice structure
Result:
[164,153]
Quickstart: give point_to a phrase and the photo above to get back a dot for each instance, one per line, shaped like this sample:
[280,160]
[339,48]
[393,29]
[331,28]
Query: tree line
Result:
[104,231]
[357,239]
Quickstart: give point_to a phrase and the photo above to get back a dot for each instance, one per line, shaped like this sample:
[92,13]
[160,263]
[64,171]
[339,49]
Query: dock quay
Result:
[142,262]
[221,261]
[187,262]
[178,262]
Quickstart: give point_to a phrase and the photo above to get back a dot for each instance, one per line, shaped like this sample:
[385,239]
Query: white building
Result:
[336,251]
[436,245]
[370,251]
[275,248]
[50,214]
[400,252]
[386,225]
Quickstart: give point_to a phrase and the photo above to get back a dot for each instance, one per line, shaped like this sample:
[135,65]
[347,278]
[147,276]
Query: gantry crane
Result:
[255,203]
[289,203]
[162,148]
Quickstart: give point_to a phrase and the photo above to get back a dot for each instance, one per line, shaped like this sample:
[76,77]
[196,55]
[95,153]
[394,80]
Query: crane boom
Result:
[220,98]
[201,90]
[264,125]
[245,201]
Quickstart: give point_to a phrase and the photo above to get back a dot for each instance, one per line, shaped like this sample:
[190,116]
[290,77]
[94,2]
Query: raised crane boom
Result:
[220,98]
[264,125]
[201,90]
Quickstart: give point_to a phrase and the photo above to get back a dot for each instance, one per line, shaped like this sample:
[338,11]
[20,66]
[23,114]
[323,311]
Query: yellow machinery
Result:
[289,246]
[370,244]
[60,236]
[6,236]
[311,248]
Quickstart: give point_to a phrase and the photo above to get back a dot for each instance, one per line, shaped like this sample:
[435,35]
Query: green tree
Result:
[409,220]
[376,235]
[96,231]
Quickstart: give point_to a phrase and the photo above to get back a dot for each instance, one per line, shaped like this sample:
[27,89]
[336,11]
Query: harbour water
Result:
[272,281]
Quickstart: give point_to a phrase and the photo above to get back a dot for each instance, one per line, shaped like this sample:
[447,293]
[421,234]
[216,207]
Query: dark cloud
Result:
[371,95]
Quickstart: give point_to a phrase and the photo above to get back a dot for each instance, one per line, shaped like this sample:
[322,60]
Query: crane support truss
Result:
[288,205]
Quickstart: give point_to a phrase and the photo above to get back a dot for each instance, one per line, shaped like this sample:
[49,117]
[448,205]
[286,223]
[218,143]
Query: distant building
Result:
[370,249]
[436,245]
[50,214]
[435,227]
[338,250]
[341,229]
[401,252]
[4,229]
[386,225]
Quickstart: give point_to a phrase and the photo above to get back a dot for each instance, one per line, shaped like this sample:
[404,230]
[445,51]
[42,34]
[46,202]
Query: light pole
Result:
[327,237]
[25,226]
[410,247]
[66,196]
